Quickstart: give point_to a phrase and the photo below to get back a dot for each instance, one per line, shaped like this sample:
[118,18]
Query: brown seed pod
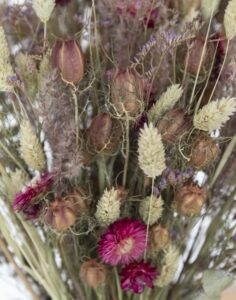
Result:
[159,237]
[104,133]
[127,92]
[93,273]
[122,193]
[68,58]
[173,125]
[189,199]
[193,57]
[204,151]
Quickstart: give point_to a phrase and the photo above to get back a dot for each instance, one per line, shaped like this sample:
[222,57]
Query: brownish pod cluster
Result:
[68,58]
[93,273]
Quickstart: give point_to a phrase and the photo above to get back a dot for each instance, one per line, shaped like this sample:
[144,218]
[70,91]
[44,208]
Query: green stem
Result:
[126,152]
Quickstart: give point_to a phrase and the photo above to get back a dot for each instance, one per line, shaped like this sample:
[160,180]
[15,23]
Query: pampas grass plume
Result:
[166,102]
[31,148]
[214,114]
[151,151]
[156,209]
[108,207]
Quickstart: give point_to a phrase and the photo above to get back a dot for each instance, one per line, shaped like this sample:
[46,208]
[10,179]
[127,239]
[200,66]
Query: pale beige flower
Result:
[43,9]
[151,151]
[151,209]
[209,7]
[4,48]
[166,102]
[214,114]
[169,267]
[31,148]
[230,20]
[108,207]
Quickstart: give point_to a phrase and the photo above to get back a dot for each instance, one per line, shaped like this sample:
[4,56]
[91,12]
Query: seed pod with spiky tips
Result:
[204,152]
[173,125]
[104,133]
[67,56]
[93,273]
[62,213]
[198,54]
[127,92]
[159,237]
[190,199]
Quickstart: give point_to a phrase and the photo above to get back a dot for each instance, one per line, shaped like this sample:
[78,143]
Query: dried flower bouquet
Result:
[117,150]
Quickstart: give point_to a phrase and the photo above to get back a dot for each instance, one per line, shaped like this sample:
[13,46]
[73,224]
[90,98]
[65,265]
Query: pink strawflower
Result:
[27,200]
[137,275]
[123,242]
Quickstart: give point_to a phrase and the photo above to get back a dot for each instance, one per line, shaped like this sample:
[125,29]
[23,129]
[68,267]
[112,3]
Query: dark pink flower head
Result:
[63,2]
[137,275]
[123,242]
[26,200]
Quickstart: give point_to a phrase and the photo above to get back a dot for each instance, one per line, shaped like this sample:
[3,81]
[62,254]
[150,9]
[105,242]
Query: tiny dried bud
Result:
[61,214]
[68,58]
[190,199]
[104,133]
[122,194]
[173,125]
[127,92]
[204,152]
[93,273]
[193,57]
[159,237]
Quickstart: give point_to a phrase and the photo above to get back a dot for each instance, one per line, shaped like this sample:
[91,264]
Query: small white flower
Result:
[214,114]
[151,151]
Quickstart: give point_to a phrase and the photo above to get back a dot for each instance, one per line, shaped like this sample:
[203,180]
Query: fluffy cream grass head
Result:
[230,20]
[151,209]
[43,9]
[214,114]
[151,151]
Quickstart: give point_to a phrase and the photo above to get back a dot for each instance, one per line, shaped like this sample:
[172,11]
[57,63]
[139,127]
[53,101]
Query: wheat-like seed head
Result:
[156,209]
[230,20]
[209,7]
[43,9]
[151,151]
[169,266]
[166,102]
[108,207]
[31,148]
[214,114]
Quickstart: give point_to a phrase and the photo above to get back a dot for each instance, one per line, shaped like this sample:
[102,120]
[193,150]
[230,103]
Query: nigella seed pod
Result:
[127,92]
[61,214]
[93,273]
[173,125]
[104,133]
[198,54]
[204,152]
[189,199]
[159,237]
[68,58]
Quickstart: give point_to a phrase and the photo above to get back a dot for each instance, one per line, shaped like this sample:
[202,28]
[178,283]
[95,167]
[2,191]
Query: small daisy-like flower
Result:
[137,275]
[123,242]
[27,200]
[151,151]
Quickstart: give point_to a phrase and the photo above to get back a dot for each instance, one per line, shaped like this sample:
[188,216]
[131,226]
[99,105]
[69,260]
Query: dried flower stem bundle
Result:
[31,148]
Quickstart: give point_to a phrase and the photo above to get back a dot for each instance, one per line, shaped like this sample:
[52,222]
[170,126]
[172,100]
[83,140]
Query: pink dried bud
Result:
[61,214]
[93,273]
[68,58]
[193,57]
[204,152]
[127,92]
[159,237]
[189,199]
[104,133]
[173,125]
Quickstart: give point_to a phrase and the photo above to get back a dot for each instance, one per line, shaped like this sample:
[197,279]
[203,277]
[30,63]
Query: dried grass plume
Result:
[166,102]
[31,148]
[155,206]
[214,114]
[108,207]
[230,20]
[43,9]
[209,7]
[151,153]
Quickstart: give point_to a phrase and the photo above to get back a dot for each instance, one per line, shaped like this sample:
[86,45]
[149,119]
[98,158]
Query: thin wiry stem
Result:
[126,152]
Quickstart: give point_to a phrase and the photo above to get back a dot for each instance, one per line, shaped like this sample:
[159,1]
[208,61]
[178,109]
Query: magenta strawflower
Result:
[137,275]
[27,200]
[123,242]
